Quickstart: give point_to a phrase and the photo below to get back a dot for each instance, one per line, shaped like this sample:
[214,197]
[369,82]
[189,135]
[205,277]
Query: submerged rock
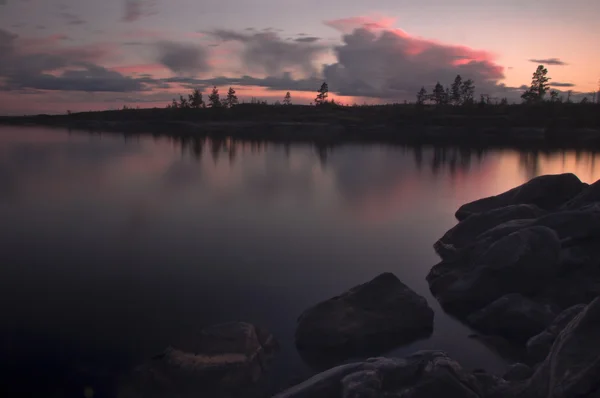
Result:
[228,360]
[512,316]
[547,192]
[376,315]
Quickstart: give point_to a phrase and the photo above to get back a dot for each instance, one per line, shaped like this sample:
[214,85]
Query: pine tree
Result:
[438,94]
[322,94]
[195,99]
[467,92]
[554,96]
[287,100]
[213,99]
[422,96]
[455,91]
[539,86]
[174,104]
[183,103]
[232,99]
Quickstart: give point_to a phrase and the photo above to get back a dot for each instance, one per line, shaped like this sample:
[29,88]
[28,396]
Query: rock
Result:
[547,192]
[521,262]
[426,374]
[465,232]
[587,196]
[512,316]
[228,360]
[572,367]
[376,315]
[538,346]
[518,372]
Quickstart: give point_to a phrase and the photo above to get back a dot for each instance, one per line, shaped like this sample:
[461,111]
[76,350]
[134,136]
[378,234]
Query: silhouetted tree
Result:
[232,99]
[455,91]
[174,104]
[287,100]
[569,93]
[421,96]
[539,86]
[183,103]
[214,100]
[195,99]
[438,94]
[322,94]
[554,96]
[467,92]
[585,100]
[504,101]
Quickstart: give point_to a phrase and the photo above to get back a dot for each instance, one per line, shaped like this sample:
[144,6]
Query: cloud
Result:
[266,52]
[72,19]
[559,84]
[2,2]
[548,61]
[136,9]
[348,25]
[285,82]
[307,39]
[378,61]
[182,58]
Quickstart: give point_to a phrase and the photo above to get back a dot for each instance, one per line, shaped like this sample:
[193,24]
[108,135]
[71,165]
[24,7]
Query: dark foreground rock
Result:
[229,360]
[540,240]
[547,192]
[512,316]
[572,368]
[539,345]
[518,372]
[376,315]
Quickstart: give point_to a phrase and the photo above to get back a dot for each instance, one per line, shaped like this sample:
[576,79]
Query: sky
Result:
[79,55]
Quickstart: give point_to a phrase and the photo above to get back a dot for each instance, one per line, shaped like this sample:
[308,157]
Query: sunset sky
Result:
[87,55]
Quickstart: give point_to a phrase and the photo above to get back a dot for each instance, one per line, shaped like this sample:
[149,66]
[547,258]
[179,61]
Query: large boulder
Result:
[425,374]
[572,368]
[547,192]
[587,196]
[539,345]
[228,360]
[512,316]
[517,372]
[376,315]
[466,231]
[521,262]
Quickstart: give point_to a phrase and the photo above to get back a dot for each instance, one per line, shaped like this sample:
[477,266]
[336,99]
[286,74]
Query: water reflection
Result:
[114,247]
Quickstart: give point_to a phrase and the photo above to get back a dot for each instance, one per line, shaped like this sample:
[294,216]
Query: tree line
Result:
[460,93]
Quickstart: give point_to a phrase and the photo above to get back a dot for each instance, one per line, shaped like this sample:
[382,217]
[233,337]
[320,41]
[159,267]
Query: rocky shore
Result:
[522,267]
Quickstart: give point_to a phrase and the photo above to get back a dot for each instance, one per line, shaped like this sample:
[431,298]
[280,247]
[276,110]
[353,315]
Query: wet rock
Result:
[539,345]
[465,232]
[424,374]
[228,360]
[521,262]
[512,316]
[381,313]
[547,192]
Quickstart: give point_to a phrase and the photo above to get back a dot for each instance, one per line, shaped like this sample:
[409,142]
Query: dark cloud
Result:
[182,58]
[59,69]
[559,84]
[72,19]
[308,39]
[548,61]
[266,52]
[391,64]
[136,9]
[2,2]
[286,82]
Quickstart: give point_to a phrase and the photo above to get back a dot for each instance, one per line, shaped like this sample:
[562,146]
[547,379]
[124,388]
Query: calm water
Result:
[113,248]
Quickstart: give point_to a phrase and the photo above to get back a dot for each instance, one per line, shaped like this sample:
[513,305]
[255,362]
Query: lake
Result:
[114,247]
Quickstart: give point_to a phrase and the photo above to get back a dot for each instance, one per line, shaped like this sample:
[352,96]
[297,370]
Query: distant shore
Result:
[512,126]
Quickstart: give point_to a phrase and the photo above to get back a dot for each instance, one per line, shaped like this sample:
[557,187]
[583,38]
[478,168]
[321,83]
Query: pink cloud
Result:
[347,25]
